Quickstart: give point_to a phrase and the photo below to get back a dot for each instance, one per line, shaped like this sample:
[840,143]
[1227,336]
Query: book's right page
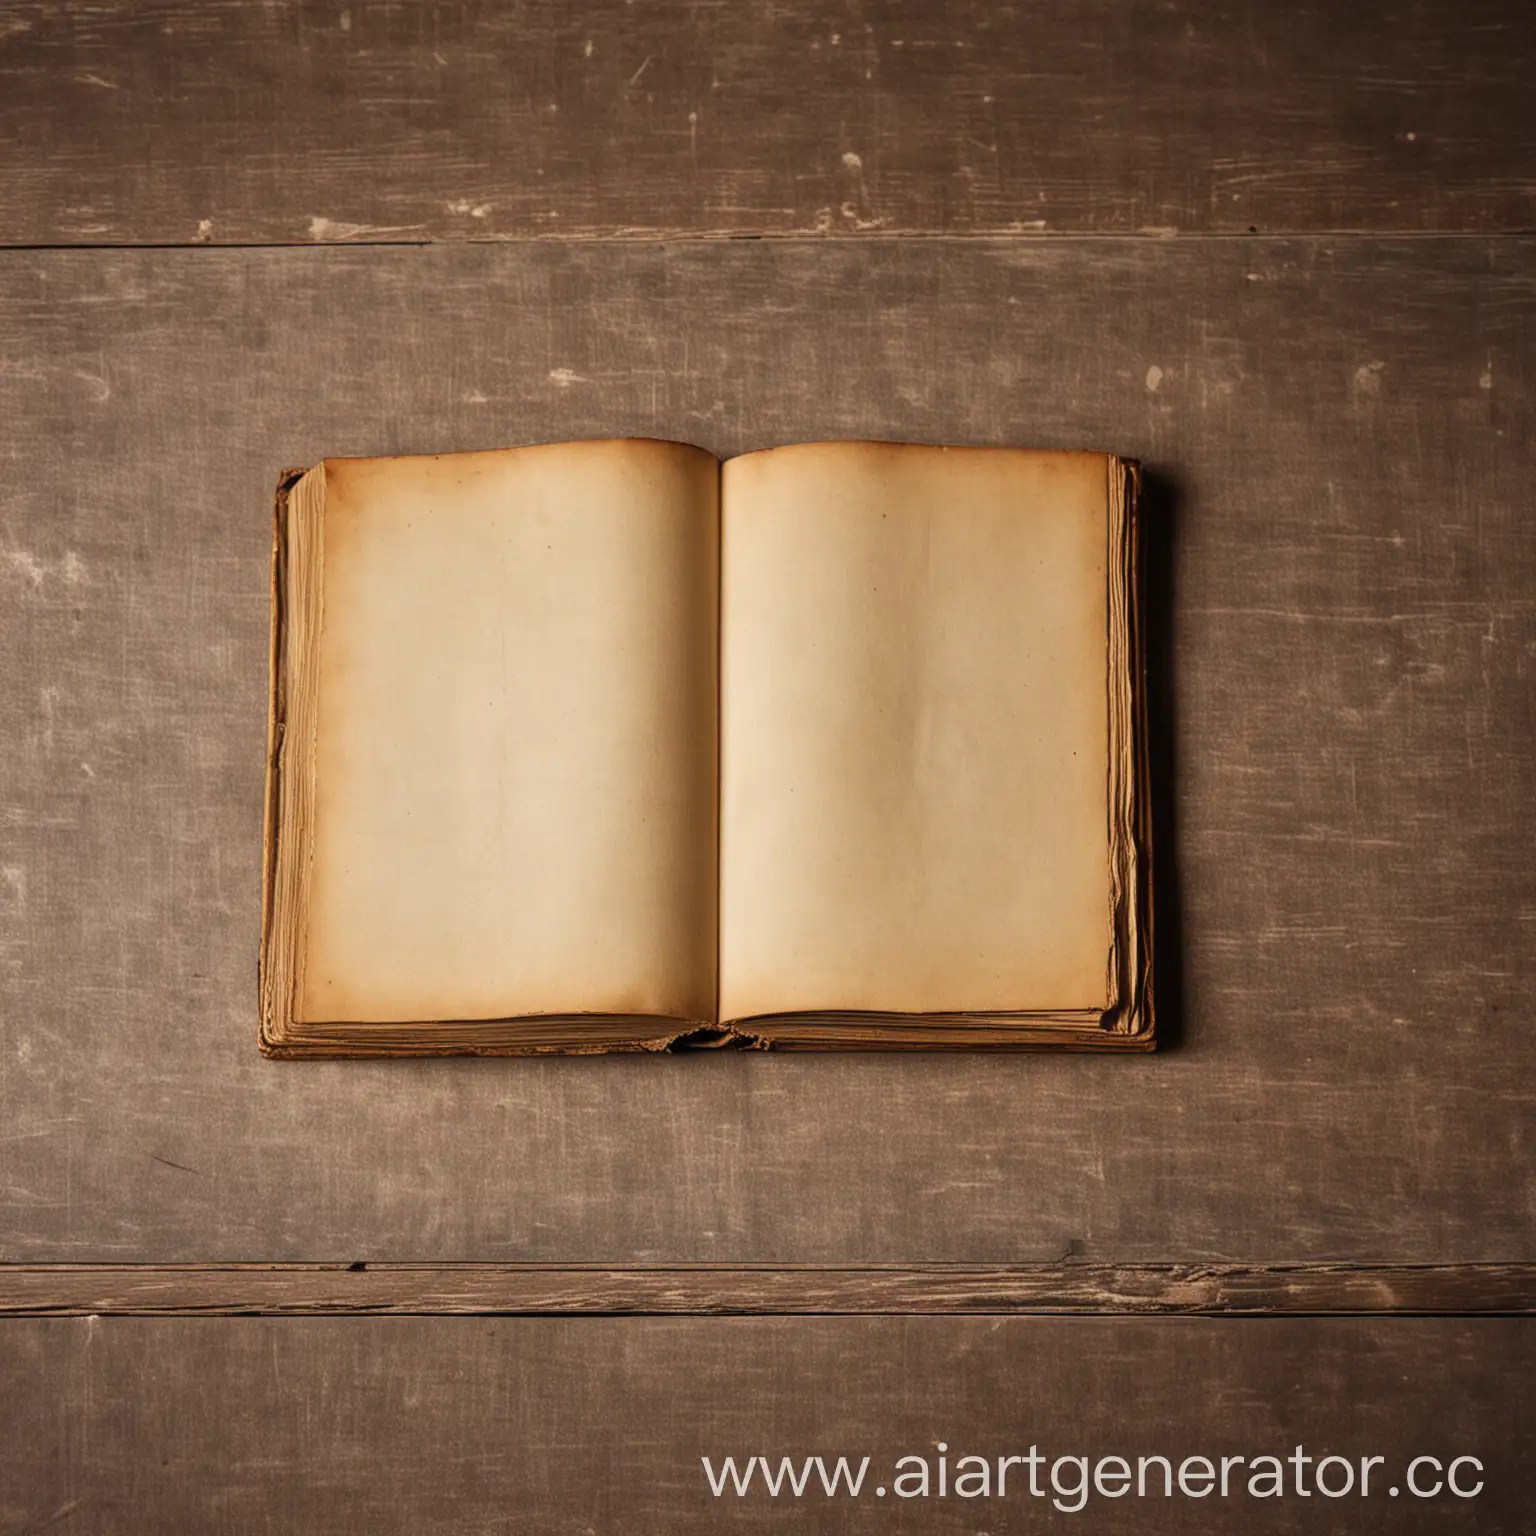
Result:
[921,751]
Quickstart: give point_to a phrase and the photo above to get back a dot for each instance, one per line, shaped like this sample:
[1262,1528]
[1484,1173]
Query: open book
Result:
[607,745]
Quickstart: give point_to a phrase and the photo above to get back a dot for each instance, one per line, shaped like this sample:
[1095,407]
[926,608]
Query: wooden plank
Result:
[195,121]
[528,1290]
[1341,435]
[415,1424]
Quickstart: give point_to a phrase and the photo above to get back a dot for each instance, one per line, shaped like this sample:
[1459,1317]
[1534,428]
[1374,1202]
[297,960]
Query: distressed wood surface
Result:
[1339,435]
[1215,1290]
[411,1424]
[297,121]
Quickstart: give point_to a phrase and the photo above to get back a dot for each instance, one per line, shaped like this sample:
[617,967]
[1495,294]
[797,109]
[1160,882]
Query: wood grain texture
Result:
[1344,726]
[414,1425]
[1216,1290]
[300,121]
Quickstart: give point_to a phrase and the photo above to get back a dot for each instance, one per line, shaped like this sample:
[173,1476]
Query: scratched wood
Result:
[1339,432]
[538,1290]
[297,121]
[411,1425]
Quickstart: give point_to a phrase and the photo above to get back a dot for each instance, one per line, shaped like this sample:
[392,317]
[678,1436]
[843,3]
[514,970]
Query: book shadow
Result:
[1161,499]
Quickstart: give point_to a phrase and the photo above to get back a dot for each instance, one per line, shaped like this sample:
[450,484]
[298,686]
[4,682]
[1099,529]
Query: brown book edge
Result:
[1132,1030]
[286,481]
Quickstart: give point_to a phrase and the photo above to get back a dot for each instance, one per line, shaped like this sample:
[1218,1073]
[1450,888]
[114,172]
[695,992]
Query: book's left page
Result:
[492,805]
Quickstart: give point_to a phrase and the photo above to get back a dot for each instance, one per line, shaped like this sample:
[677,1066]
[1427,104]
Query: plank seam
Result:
[722,1290]
[886,237]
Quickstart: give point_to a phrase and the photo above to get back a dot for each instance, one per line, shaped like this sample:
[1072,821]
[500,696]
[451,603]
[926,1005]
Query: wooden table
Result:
[1286,255]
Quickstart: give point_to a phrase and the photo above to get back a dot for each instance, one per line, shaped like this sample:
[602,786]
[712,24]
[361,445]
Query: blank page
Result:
[515,748]
[914,810]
